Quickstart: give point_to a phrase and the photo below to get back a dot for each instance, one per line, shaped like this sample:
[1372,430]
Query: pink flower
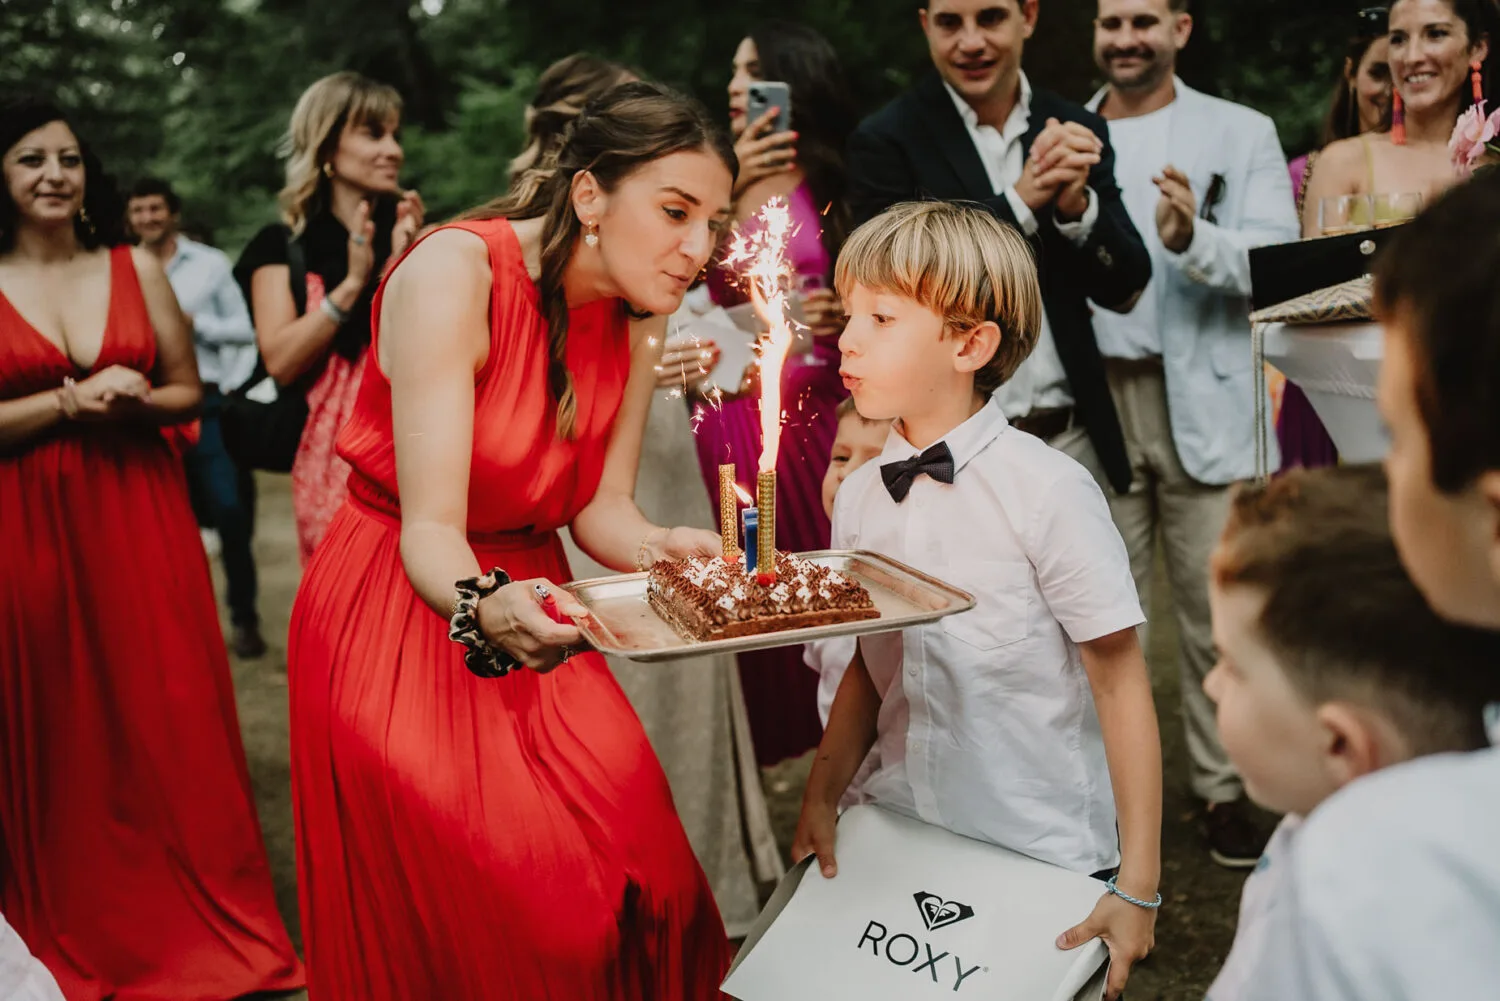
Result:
[1471,137]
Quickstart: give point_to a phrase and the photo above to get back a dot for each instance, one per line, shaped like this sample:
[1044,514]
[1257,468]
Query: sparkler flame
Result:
[762,254]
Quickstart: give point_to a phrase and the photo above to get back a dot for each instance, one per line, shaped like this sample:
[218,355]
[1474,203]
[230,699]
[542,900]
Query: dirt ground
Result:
[1192,935]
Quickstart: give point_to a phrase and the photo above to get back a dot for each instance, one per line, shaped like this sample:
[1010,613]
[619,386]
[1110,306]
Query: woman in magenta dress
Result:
[132,859]
[805,168]
[508,837]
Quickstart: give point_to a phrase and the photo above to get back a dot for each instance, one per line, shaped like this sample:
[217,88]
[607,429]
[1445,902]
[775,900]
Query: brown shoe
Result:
[247,643]
[1235,840]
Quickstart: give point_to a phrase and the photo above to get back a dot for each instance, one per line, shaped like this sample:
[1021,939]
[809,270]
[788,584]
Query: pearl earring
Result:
[591,235]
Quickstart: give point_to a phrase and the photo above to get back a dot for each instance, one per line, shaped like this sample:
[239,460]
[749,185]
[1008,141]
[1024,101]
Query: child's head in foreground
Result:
[943,303]
[1331,663]
[857,442]
[1437,291]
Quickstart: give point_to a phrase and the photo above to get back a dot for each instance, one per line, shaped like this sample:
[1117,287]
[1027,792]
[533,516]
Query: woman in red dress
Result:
[132,860]
[513,837]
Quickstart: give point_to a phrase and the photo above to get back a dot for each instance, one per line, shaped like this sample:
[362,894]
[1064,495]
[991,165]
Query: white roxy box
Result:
[917,912]
[1336,365]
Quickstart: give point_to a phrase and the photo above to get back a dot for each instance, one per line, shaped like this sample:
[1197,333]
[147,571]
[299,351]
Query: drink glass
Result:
[1394,209]
[1340,214]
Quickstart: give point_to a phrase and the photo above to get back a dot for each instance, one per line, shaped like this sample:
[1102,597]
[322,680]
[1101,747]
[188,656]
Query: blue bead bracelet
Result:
[1147,904]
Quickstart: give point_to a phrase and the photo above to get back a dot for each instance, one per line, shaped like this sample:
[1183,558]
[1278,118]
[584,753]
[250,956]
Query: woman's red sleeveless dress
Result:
[458,837]
[132,863]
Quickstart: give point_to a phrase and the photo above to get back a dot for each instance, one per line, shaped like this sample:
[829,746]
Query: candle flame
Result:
[744,494]
[762,254]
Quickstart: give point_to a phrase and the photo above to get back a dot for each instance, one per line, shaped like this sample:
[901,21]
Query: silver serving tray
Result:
[623,623]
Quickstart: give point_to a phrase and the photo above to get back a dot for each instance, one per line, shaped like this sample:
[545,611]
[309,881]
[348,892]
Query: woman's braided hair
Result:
[616,134]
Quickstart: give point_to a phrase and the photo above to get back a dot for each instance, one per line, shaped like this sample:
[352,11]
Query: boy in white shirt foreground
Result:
[1024,721]
[857,441]
[1331,667]
[1395,882]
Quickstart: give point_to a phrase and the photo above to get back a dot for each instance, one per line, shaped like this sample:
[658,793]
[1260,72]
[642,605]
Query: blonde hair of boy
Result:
[959,261]
[312,139]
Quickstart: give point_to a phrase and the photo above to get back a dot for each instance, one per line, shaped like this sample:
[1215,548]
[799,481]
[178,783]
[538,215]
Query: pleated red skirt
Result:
[510,839]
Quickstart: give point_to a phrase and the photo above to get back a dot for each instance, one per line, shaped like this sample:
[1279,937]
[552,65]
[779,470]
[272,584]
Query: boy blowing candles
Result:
[1331,666]
[1394,882]
[1015,722]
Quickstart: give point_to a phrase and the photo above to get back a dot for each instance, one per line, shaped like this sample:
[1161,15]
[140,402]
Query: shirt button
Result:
[1106,258]
[912,671]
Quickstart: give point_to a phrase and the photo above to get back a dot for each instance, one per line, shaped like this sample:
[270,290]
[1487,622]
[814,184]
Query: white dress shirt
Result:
[1394,889]
[1261,904]
[1040,383]
[223,334]
[1140,146]
[987,724]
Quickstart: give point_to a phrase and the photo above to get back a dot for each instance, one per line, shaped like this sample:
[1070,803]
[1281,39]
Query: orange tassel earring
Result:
[1398,119]
[1476,75]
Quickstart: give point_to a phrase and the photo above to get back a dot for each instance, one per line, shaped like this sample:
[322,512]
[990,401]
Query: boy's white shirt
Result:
[1393,892]
[830,658]
[1261,905]
[987,724]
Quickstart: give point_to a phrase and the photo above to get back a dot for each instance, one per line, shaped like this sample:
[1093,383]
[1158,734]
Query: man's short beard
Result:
[1148,78]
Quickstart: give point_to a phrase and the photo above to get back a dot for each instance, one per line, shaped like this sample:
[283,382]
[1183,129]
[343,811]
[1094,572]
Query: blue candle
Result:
[751,520]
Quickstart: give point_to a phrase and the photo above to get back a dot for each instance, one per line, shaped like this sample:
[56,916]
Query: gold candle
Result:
[765,485]
[728,514]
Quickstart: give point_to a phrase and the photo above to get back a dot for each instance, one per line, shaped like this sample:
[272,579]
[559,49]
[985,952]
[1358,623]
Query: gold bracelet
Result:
[643,553]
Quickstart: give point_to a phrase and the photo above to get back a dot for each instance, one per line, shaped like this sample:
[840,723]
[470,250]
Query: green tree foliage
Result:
[200,90]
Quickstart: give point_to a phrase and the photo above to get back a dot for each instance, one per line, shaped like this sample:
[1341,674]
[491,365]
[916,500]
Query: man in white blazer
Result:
[1204,181]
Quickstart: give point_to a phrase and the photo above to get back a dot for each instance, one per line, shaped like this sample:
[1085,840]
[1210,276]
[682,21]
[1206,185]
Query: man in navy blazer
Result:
[976,130]
[1205,180]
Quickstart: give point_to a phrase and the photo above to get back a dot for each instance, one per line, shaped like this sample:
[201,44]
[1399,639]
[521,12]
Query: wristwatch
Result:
[463,628]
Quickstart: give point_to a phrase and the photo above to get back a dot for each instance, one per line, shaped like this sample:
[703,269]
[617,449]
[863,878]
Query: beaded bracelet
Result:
[479,656]
[1148,905]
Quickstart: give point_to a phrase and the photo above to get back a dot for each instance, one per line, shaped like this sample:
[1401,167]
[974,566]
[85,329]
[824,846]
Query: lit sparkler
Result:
[761,256]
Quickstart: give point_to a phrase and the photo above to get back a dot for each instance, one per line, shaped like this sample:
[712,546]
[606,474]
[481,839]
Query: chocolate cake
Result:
[709,599]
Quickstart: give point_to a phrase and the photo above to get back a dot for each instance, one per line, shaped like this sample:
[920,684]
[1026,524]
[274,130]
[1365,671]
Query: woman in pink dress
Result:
[806,168]
[344,209]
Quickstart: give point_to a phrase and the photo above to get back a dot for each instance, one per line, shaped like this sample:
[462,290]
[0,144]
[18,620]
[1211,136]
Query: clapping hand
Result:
[1057,171]
[410,215]
[106,395]
[361,249]
[763,156]
[1177,211]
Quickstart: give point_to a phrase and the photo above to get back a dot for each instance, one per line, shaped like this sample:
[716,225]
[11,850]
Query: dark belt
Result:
[1045,424]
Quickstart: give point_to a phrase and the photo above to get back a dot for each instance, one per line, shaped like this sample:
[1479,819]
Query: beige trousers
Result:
[1189,515]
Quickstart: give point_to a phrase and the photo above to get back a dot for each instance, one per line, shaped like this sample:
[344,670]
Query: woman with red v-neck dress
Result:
[131,860]
[513,836]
